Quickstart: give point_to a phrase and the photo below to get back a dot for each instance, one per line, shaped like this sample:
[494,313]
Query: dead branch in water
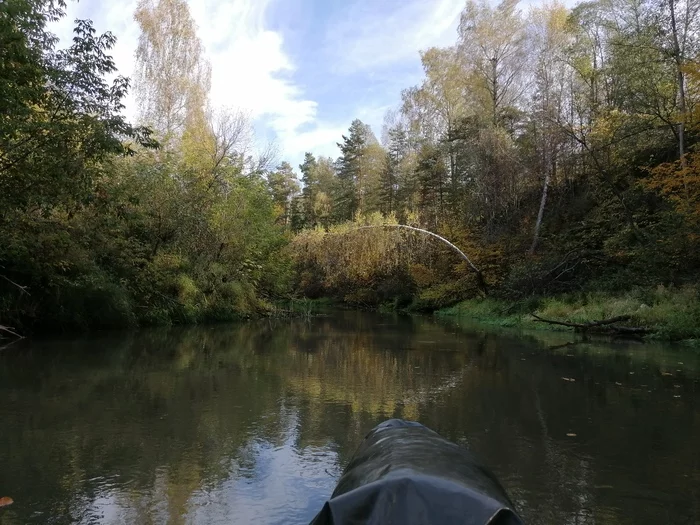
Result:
[9,330]
[605,326]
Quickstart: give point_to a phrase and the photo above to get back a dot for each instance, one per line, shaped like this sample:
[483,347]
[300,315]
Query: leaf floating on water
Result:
[4,502]
[618,384]
[666,374]
[571,435]
[569,379]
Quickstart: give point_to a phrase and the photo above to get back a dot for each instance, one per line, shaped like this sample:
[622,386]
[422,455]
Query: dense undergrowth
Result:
[105,224]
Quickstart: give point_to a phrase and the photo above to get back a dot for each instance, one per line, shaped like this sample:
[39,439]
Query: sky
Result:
[301,69]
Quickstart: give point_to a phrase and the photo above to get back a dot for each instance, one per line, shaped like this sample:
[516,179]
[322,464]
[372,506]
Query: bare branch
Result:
[21,288]
[10,331]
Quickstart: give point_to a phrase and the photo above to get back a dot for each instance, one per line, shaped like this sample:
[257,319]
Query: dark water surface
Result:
[253,423]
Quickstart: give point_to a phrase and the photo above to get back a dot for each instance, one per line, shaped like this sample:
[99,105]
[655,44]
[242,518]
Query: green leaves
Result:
[105,230]
[60,118]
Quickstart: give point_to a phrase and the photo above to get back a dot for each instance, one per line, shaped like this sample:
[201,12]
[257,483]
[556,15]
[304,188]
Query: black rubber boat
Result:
[406,474]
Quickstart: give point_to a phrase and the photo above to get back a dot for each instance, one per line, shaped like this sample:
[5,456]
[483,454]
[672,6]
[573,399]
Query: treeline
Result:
[556,147]
[106,224]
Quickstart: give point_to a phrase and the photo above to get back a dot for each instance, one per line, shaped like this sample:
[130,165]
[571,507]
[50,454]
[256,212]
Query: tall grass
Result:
[672,313]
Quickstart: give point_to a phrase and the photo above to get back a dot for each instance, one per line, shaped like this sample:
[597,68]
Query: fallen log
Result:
[605,326]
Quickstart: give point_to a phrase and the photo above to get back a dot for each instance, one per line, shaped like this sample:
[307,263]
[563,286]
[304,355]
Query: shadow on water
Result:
[253,423]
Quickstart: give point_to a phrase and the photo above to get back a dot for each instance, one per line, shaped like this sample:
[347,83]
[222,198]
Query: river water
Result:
[253,423]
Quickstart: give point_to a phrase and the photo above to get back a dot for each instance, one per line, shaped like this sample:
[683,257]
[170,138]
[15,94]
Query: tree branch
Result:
[10,331]
[21,288]
[604,326]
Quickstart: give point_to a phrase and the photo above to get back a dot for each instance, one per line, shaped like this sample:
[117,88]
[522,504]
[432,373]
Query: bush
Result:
[443,295]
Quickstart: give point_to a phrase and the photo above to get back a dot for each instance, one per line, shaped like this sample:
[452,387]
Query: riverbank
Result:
[671,314]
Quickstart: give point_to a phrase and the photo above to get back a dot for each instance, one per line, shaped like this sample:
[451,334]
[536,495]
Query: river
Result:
[253,423]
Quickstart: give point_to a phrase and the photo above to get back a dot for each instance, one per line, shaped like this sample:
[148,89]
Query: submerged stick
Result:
[604,326]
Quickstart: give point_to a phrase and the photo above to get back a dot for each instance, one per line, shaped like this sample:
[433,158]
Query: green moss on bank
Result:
[672,313]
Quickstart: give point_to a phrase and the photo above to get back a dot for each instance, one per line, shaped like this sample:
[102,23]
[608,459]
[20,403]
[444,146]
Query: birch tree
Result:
[173,77]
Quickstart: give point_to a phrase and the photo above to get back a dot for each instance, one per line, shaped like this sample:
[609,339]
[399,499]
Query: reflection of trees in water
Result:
[176,414]
[632,434]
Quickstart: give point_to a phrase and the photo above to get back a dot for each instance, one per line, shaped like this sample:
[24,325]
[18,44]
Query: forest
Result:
[555,147]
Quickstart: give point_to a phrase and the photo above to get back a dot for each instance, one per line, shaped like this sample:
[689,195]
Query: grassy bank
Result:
[670,313]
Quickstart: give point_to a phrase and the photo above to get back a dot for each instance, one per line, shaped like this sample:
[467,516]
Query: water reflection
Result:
[253,423]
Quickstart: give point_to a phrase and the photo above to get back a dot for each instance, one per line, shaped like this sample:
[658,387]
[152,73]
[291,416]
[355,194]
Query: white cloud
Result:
[380,42]
[321,141]
[113,16]
[369,35]
[252,71]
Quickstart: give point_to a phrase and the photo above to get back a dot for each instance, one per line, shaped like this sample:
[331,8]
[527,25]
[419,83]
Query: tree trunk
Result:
[494,94]
[543,202]
[678,57]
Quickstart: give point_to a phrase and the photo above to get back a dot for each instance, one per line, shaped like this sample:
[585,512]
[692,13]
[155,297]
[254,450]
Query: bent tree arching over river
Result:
[254,423]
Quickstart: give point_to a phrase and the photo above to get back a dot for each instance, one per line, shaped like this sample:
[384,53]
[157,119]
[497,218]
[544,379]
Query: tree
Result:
[283,188]
[432,179]
[60,117]
[493,42]
[396,151]
[172,76]
[372,164]
[551,36]
[326,177]
[310,189]
[60,130]
[680,23]
[353,171]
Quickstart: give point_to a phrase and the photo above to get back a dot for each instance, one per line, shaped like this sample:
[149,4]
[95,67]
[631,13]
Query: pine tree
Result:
[351,175]
[283,187]
[397,149]
[310,181]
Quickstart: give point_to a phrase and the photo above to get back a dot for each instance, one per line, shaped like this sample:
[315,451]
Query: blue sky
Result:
[302,69]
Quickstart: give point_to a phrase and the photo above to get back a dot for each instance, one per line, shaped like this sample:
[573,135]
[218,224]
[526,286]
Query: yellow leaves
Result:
[551,25]
[350,251]
[422,275]
[692,77]
[366,252]
[607,125]
[680,184]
